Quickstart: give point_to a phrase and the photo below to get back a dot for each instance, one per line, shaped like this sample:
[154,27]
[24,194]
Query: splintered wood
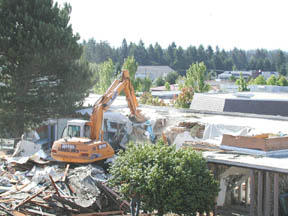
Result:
[50,192]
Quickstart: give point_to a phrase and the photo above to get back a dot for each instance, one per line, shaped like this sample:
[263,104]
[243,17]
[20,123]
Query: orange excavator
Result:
[84,143]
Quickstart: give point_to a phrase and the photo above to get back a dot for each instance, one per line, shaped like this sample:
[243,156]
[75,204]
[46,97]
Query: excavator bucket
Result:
[137,118]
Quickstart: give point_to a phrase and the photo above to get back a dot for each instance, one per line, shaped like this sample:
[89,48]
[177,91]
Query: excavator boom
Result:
[103,103]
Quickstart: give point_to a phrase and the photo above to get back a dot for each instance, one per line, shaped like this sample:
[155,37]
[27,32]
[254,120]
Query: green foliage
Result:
[272,80]
[166,180]
[171,77]
[242,84]
[97,52]
[180,59]
[106,76]
[160,81]
[232,78]
[147,98]
[167,86]
[282,81]
[260,80]
[131,65]
[196,77]
[250,82]
[142,85]
[41,68]
[184,99]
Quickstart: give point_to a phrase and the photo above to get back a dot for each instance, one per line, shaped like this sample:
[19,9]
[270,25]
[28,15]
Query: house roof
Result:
[154,69]
[253,103]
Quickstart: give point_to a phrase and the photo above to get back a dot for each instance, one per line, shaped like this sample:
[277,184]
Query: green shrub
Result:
[282,81]
[142,85]
[260,80]
[171,77]
[147,98]
[242,84]
[167,86]
[166,180]
[272,80]
[184,99]
[160,81]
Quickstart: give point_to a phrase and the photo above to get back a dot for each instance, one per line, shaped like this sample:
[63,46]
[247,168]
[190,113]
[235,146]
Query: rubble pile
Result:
[37,187]
[185,129]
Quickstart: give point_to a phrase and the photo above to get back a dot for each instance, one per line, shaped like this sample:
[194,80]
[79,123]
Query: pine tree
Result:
[41,73]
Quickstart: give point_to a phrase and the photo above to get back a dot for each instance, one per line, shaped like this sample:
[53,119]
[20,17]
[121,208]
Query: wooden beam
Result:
[252,192]
[276,194]
[260,194]
[267,206]
[54,185]
[66,172]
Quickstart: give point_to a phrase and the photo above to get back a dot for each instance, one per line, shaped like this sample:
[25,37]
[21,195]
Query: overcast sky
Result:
[245,24]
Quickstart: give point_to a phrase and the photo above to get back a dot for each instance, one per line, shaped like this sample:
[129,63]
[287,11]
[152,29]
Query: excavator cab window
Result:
[74,131]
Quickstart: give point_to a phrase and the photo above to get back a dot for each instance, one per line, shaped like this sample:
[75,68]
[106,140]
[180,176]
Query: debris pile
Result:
[37,187]
[186,130]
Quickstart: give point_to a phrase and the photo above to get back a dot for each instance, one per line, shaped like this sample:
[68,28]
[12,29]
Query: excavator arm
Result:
[103,104]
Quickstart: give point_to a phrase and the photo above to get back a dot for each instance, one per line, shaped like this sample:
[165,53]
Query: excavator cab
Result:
[76,128]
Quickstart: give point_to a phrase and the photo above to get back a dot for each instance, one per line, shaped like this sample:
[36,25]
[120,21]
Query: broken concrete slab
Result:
[26,148]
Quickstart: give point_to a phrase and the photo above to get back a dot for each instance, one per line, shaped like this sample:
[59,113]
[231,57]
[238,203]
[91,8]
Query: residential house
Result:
[227,74]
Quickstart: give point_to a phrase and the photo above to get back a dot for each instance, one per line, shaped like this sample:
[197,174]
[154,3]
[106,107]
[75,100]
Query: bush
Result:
[166,180]
[232,78]
[282,81]
[184,99]
[259,80]
[167,86]
[160,81]
[272,80]
[171,77]
[242,84]
[142,85]
[147,98]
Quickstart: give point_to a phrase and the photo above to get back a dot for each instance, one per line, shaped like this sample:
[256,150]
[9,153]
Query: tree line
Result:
[180,59]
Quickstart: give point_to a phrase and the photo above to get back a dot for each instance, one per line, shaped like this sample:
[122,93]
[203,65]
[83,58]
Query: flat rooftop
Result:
[252,96]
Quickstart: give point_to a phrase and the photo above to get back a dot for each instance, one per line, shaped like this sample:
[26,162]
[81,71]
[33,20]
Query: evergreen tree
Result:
[180,59]
[171,55]
[159,55]
[140,54]
[180,64]
[152,56]
[123,51]
[39,58]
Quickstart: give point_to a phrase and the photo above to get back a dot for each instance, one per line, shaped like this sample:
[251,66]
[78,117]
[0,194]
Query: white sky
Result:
[245,24]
